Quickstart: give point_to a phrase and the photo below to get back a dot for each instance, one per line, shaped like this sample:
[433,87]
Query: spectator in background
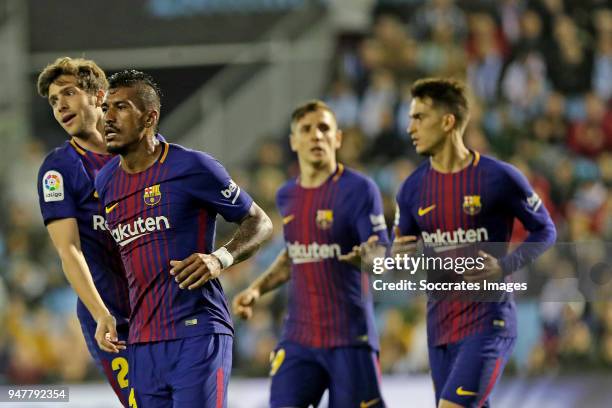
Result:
[524,85]
[531,32]
[377,104]
[592,135]
[510,16]
[569,60]
[486,49]
[552,126]
[439,12]
[343,100]
[397,48]
[602,66]
[440,54]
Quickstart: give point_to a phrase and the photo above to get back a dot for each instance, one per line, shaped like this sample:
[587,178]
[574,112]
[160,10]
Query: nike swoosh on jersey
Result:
[111,208]
[368,404]
[463,393]
[423,211]
[288,219]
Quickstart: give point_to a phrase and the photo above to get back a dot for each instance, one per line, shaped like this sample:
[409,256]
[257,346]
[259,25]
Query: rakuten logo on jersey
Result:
[124,234]
[449,240]
[314,252]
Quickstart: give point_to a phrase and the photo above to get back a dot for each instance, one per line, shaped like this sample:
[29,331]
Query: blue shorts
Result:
[300,376]
[466,372]
[114,366]
[187,373]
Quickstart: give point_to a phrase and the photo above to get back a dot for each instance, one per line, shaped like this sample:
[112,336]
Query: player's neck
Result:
[92,140]
[452,157]
[142,156]
[312,176]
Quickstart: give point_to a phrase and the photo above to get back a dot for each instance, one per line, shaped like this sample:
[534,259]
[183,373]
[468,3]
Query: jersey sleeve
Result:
[404,220]
[213,186]
[525,204]
[55,192]
[369,216]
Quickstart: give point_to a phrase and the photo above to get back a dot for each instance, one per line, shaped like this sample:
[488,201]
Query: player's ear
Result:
[339,136]
[448,122]
[293,142]
[151,119]
[100,94]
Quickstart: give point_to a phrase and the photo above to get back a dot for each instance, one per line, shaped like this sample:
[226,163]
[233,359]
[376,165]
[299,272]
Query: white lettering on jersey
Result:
[449,240]
[231,189]
[99,223]
[124,234]
[53,186]
[314,252]
[534,202]
[378,222]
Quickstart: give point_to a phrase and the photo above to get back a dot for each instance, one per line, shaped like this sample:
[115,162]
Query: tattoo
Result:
[253,231]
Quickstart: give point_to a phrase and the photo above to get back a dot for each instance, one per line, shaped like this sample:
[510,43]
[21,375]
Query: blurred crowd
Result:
[540,73]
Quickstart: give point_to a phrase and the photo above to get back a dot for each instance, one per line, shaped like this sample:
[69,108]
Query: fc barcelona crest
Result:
[325,218]
[152,195]
[471,204]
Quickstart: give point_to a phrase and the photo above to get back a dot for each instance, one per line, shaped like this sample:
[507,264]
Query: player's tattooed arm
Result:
[277,274]
[197,269]
[253,231]
[65,236]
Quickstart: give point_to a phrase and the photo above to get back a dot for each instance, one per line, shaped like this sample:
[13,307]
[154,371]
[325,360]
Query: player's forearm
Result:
[253,231]
[277,274]
[536,243]
[78,275]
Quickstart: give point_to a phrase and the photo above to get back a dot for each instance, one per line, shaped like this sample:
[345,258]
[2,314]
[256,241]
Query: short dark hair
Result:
[445,92]
[148,90]
[307,107]
[89,76]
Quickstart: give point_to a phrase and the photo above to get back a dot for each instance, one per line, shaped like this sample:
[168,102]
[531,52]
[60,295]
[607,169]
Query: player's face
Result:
[124,119]
[426,130]
[73,108]
[315,137]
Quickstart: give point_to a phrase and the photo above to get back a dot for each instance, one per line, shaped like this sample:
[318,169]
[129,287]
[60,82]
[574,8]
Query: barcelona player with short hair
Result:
[161,201]
[329,339]
[75,88]
[460,202]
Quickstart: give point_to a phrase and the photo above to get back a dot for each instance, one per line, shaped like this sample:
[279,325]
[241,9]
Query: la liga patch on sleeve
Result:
[53,186]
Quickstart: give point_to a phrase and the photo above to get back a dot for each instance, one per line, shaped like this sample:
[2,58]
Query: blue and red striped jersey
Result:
[66,190]
[168,212]
[329,301]
[456,214]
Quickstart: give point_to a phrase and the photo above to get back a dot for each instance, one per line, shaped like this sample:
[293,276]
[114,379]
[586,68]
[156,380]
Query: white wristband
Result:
[224,256]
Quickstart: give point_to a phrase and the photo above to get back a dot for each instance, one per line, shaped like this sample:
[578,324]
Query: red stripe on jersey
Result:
[167,298]
[220,388]
[318,270]
[300,335]
[310,271]
[306,233]
[335,283]
[314,272]
[492,382]
[112,379]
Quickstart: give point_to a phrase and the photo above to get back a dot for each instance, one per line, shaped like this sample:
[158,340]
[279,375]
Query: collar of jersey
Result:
[335,176]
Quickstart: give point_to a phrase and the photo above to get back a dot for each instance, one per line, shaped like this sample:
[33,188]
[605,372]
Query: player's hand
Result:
[106,335]
[492,271]
[403,245]
[243,303]
[364,253]
[195,270]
